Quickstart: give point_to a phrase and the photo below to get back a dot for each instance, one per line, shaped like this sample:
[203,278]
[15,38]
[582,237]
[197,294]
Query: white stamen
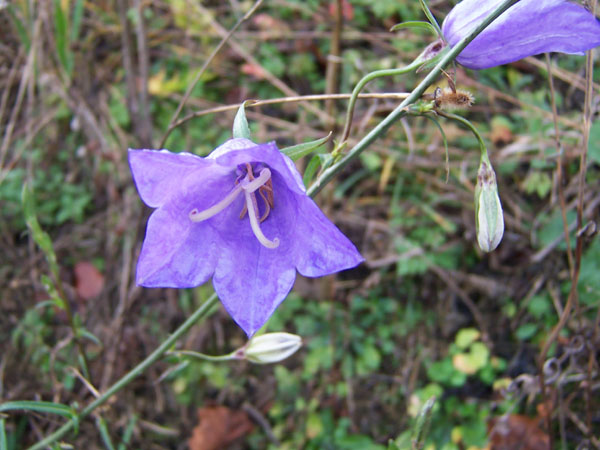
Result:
[254,222]
[199,216]
[259,181]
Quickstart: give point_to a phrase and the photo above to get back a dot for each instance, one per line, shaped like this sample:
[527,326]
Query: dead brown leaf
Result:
[88,280]
[517,432]
[218,426]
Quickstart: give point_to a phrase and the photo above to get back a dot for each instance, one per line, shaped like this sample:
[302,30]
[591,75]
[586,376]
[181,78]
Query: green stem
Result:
[200,313]
[400,111]
[362,83]
[484,153]
[203,356]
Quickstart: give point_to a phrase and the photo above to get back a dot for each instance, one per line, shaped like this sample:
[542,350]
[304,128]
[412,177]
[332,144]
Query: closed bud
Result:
[488,209]
[270,348]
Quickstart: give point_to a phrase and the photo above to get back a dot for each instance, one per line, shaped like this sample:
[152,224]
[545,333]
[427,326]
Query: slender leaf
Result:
[311,169]
[3,441]
[76,20]
[415,24]
[128,433]
[86,334]
[45,407]
[104,434]
[298,151]
[430,17]
[61,37]
[421,428]
[20,27]
[240,124]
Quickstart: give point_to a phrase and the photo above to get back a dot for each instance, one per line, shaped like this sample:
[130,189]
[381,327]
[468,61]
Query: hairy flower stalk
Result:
[528,28]
[241,216]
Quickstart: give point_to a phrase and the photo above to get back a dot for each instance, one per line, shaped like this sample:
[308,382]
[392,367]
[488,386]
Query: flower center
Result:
[249,185]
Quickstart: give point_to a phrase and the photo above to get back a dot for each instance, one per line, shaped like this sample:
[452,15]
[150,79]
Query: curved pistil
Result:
[249,185]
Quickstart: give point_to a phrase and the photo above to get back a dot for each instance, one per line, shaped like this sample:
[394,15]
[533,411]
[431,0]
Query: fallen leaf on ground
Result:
[218,426]
[88,280]
[517,432]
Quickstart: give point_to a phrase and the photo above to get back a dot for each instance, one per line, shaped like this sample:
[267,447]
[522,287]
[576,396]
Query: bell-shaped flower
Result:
[527,28]
[241,216]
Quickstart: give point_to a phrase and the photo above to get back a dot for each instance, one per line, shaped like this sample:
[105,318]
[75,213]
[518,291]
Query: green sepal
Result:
[240,124]
[431,63]
[295,152]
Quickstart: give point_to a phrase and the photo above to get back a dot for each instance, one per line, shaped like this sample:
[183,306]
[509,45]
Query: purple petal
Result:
[158,173]
[528,28]
[250,279]
[251,283]
[176,253]
[322,249]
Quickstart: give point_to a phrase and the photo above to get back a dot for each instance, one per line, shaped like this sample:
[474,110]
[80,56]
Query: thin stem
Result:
[158,353]
[400,111]
[470,126]
[362,83]
[294,99]
[203,356]
[188,92]
[573,293]
[559,167]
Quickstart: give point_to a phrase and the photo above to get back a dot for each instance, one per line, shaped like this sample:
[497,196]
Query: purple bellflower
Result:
[241,216]
[527,28]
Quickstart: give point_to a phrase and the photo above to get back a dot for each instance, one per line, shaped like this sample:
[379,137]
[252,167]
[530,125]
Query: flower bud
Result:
[271,347]
[488,209]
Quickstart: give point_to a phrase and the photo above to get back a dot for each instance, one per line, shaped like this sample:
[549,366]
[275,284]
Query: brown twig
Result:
[145,124]
[275,101]
[333,62]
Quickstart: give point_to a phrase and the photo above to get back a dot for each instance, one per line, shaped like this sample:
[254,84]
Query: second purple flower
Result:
[527,28]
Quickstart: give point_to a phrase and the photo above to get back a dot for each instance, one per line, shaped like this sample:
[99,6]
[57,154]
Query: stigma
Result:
[249,185]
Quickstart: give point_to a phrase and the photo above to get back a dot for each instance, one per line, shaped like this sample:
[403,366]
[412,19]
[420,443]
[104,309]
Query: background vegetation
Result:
[427,315]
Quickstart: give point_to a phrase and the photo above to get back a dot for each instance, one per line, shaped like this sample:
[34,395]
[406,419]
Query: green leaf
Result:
[298,151]
[21,31]
[240,124]
[526,331]
[86,334]
[415,24]
[128,432]
[76,20]
[311,169]
[104,434]
[41,238]
[3,442]
[421,429]
[62,43]
[45,407]
[465,337]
